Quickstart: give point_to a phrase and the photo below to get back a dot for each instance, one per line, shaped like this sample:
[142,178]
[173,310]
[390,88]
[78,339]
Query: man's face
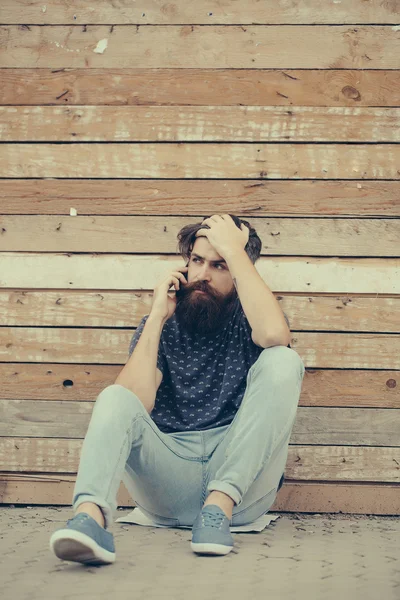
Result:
[199,312]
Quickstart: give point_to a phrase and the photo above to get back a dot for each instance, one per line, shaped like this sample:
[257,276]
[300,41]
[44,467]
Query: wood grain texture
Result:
[351,388]
[207,161]
[201,12]
[194,46]
[184,197]
[128,272]
[74,308]
[137,116]
[198,124]
[158,235]
[110,346]
[380,464]
[306,496]
[313,425]
[192,87]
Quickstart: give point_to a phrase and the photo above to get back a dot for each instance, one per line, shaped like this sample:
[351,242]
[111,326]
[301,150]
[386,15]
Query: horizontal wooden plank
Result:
[308,497]
[195,46]
[328,463]
[129,272]
[84,382]
[202,123]
[164,197]
[207,160]
[199,87]
[73,308]
[110,346]
[126,12]
[279,236]
[313,425]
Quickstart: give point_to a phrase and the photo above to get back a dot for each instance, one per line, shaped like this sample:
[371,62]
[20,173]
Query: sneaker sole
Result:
[72,545]
[207,548]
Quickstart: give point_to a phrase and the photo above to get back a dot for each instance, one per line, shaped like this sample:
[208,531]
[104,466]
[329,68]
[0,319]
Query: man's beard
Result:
[204,313]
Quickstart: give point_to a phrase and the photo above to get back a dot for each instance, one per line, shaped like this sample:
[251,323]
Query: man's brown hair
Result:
[187,238]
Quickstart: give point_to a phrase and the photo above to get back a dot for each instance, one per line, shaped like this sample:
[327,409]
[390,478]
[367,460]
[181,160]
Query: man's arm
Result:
[140,374]
[270,344]
[262,309]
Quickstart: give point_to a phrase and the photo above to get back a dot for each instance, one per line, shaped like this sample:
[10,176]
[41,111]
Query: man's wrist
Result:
[232,253]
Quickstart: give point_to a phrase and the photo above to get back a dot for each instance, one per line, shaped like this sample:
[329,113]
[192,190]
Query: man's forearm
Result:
[139,373]
[260,306]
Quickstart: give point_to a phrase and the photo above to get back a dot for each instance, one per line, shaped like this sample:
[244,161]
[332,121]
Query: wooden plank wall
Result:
[142,117]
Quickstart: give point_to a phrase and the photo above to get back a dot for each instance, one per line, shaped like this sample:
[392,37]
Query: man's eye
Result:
[197,260]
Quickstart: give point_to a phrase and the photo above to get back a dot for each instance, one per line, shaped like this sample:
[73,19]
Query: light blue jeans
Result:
[169,475]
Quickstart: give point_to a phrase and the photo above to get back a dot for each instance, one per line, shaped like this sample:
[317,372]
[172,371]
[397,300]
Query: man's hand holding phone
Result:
[164,305]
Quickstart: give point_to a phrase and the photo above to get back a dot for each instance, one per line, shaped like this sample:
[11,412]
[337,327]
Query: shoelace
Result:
[211,520]
[80,516]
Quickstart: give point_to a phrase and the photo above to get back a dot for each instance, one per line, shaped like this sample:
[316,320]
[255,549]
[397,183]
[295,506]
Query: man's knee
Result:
[115,399]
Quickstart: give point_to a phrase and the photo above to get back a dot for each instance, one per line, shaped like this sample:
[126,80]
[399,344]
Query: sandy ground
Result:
[315,557]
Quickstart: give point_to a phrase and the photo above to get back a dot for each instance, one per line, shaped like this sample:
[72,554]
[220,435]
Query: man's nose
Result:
[204,274]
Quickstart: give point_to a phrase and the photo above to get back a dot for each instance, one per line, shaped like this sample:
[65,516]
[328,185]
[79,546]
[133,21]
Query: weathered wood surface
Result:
[110,346]
[313,425]
[355,388]
[306,496]
[195,46]
[122,234]
[198,124]
[128,272]
[178,160]
[177,197]
[206,13]
[192,87]
[109,308]
[328,463]
[304,130]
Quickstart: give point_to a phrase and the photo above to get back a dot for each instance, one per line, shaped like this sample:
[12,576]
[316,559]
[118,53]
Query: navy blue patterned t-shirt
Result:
[204,376]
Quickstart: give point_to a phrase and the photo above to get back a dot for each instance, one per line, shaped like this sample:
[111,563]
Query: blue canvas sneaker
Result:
[210,532]
[83,540]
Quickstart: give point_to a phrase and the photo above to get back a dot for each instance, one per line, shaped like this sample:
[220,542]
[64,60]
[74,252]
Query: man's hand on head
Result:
[224,235]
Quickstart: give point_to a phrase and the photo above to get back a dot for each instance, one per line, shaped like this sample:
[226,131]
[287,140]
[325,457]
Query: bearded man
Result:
[198,422]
